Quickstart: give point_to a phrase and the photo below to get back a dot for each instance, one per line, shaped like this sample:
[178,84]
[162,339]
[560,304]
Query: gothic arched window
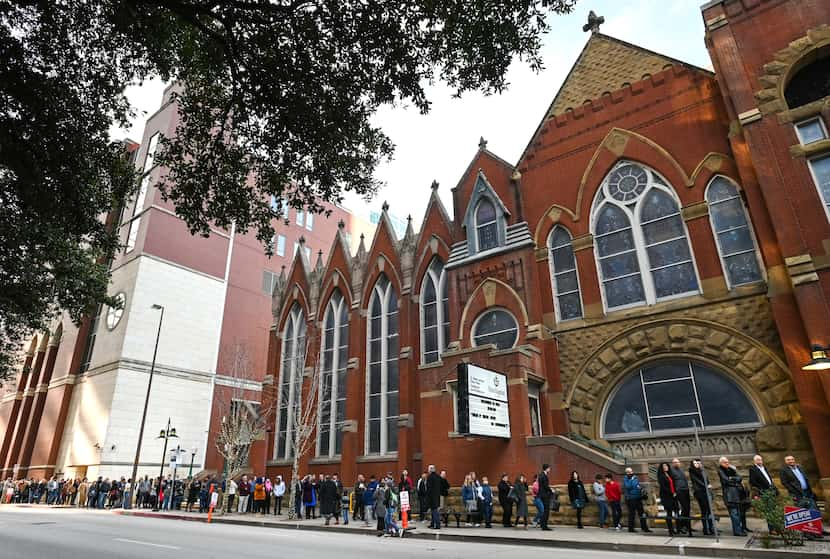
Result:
[291,381]
[435,321]
[563,275]
[334,355]
[486,225]
[736,243]
[382,379]
[496,326]
[637,226]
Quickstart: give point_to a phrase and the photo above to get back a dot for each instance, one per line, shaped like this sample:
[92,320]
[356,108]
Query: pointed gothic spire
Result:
[385,206]
[282,274]
[318,267]
[361,248]
[482,143]
[341,224]
[410,233]
[434,185]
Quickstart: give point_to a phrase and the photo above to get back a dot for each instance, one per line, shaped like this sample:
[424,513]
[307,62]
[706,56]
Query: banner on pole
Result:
[404,500]
[803,520]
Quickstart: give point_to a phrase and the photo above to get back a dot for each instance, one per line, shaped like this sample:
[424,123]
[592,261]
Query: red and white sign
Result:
[803,520]
[404,500]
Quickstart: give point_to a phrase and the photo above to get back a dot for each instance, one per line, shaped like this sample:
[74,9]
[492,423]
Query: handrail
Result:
[610,452]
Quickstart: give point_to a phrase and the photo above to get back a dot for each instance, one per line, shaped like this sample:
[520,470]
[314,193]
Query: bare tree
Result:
[303,425]
[243,421]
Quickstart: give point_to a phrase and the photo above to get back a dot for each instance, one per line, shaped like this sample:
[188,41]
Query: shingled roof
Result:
[606,64]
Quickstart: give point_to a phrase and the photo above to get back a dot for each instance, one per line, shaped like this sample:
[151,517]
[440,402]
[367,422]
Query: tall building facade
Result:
[75,409]
[650,275]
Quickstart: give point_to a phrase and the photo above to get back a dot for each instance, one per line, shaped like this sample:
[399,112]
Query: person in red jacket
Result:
[614,494]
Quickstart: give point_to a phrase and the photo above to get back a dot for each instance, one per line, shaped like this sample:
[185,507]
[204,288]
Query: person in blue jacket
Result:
[633,494]
[487,499]
[369,501]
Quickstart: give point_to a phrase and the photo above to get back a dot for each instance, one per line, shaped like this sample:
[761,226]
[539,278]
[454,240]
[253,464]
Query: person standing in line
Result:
[445,489]
[346,504]
[259,496]
[269,490]
[357,499]
[701,492]
[193,489]
[578,497]
[546,493]
[487,501]
[369,501]
[633,493]
[421,491]
[760,479]
[668,495]
[537,501]
[232,488]
[733,495]
[380,500]
[297,484]
[468,495]
[683,497]
[279,493]
[797,485]
[434,484]
[83,489]
[244,492]
[518,494]
[505,501]
[310,497]
[340,491]
[328,499]
[601,499]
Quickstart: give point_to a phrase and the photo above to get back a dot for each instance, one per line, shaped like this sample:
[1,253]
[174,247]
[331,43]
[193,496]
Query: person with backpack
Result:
[391,504]
[380,500]
[369,501]
[346,505]
[518,494]
[537,501]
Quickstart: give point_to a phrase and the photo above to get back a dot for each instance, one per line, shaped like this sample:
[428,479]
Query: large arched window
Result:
[496,326]
[486,225]
[811,82]
[291,381]
[334,352]
[435,320]
[736,243]
[675,396]
[382,380]
[563,275]
[637,226]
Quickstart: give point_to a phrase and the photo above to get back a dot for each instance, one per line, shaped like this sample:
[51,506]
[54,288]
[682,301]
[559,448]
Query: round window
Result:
[497,327]
[627,183]
[114,314]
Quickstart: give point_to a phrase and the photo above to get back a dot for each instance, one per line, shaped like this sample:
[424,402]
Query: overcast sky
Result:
[440,145]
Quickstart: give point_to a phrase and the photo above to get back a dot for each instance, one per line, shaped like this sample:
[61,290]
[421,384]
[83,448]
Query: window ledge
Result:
[738,428]
[326,460]
[811,149]
[392,456]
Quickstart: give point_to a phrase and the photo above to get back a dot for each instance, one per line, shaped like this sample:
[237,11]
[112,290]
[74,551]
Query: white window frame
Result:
[478,226]
[439,282]
[299,218]
[482,315]
[534,391]
[138,206]
[640,247]
[801,123]
[554,273]
[755,248]
[280,245]
[309,221]
[296,367]
[384,295]
[825,202]
[336,305]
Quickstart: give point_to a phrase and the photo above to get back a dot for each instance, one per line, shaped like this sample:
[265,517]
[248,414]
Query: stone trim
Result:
[432,394]
[583,242]
[799,150]
[801,269]
[716,22]
[243,384]
[391,457]
[695,211]
[750,116]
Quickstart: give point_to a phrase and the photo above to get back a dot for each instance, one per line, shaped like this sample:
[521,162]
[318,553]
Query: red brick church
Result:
[655,264]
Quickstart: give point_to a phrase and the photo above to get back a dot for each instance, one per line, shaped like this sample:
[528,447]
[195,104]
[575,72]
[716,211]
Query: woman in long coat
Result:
[328,499]
[520,492]
[668,495]
[576,493]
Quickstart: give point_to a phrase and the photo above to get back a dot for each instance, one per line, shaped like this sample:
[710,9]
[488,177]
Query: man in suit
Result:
[795,482]
[434,484]
[760,479]
[545,494]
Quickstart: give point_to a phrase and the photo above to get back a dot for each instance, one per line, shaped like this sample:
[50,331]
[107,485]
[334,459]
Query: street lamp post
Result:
[192,458]
[166,434]
[147,397]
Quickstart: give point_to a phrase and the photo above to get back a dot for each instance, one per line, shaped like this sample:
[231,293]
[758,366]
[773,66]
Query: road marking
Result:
[146,543]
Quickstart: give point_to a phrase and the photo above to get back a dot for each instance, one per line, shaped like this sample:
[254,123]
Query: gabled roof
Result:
[605,64]
[482,189]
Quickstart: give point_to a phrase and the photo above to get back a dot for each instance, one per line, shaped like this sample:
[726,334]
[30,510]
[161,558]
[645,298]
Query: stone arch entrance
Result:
[756,369]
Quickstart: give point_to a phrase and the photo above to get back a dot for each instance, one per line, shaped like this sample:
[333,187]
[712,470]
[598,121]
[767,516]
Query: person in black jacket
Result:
[683,497]
[760,479]
[734,495]
[576,493]
[505,501]
[668,495]
[700,487]
[434,491]
[421,491]
[545,494]
[797,485]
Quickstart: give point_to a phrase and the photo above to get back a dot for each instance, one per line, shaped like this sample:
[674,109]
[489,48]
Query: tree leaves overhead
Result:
[275,98]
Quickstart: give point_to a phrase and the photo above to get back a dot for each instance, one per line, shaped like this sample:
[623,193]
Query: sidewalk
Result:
[591,538]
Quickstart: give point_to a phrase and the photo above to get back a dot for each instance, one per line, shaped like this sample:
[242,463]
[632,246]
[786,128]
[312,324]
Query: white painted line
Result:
[146,543]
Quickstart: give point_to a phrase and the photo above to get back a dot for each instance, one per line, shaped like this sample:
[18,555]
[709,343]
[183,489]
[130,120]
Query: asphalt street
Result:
[27,533]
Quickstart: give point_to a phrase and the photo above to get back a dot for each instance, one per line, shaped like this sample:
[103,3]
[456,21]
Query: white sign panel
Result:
[404,500]
[488,406]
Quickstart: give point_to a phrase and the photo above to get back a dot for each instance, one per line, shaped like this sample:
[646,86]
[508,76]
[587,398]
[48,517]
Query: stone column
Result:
[15,411]
[33,427]
[26,406]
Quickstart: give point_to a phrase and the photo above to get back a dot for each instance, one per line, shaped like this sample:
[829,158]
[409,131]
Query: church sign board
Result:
[482,402]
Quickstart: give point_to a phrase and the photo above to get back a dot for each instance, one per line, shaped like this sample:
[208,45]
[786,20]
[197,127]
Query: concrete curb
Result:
[659,549]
